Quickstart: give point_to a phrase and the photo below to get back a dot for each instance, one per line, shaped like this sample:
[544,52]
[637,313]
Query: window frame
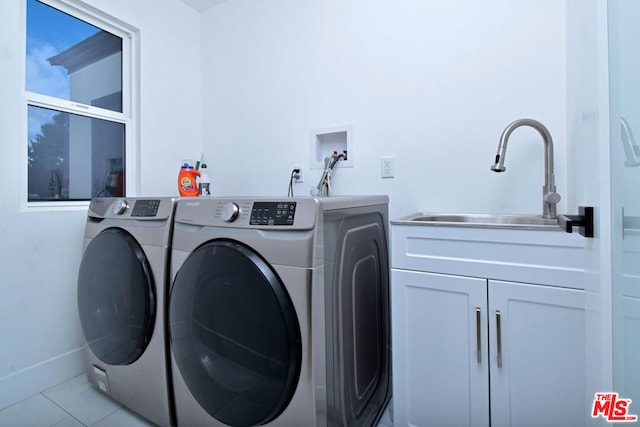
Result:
[130,101]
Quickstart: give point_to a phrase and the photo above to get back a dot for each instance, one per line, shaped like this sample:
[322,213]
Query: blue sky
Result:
[46,24]
[49,32]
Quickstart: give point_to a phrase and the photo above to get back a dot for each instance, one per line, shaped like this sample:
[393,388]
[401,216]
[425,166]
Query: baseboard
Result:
[34,379]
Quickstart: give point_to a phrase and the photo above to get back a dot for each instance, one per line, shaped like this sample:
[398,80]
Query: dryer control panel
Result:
[273,213]
[132,208]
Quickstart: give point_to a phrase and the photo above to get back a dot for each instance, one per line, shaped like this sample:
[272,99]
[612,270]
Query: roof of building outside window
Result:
[90,50]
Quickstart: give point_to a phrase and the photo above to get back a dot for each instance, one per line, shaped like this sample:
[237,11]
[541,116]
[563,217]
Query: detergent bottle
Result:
[187,180]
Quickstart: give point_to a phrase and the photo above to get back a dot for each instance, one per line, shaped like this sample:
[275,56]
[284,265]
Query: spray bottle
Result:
[204,182]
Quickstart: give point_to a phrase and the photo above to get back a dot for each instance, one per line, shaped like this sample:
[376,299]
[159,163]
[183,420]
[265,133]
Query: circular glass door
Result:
[234,334]
[116,299]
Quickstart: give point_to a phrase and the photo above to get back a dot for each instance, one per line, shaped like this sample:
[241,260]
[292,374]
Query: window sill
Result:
[54,206]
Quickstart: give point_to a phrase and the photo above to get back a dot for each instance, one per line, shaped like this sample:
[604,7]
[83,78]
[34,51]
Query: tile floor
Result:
[76,403]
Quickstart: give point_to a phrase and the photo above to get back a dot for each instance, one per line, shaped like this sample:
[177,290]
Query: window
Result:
[78,102]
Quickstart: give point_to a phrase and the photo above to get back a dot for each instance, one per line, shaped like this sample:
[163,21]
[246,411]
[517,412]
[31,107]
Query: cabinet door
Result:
[440,362]
[537,344]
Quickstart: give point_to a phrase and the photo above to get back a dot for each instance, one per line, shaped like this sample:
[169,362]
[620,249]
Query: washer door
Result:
[234,334]
[116,298]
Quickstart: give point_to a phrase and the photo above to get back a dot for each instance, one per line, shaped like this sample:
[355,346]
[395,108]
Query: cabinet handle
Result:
[499,340]
[478,336]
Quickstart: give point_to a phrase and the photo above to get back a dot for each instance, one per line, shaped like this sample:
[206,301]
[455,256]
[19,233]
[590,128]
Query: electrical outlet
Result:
[388,167]
[298,178]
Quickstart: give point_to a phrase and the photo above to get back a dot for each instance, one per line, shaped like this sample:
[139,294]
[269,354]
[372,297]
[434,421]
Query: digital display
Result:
[145,208]
[272,213]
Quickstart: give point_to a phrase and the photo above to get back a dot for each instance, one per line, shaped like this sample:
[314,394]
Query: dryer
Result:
[279,311]
[122,288]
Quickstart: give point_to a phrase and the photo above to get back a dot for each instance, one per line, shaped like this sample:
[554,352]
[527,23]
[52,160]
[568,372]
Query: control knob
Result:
[230,212]
[119,206]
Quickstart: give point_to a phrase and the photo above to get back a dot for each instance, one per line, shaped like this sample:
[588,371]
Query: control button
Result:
[230,212]
[119,206]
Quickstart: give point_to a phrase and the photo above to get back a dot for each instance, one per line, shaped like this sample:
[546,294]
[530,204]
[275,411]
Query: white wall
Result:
[40,250]
[432,83]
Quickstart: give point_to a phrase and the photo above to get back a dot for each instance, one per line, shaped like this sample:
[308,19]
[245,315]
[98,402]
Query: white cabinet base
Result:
[452,365]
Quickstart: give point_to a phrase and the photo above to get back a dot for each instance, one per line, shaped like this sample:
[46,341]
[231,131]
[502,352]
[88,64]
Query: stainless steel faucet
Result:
[322,189]
[549,196]
[631,150]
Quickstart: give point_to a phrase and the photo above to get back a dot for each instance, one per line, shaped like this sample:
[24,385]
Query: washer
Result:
[279,311]
[122,294]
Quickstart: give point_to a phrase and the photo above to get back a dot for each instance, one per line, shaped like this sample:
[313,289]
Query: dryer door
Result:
[116,299]
[234,334]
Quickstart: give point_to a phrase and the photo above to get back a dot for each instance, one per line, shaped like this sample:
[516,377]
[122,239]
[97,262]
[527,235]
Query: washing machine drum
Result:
[234,334]
[116,299]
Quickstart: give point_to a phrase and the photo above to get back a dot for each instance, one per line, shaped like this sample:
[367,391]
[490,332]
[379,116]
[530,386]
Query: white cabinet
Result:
[437,380]
[538,332]
[480,351]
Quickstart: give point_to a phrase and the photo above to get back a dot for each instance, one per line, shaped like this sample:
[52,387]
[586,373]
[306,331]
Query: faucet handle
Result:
[551,197]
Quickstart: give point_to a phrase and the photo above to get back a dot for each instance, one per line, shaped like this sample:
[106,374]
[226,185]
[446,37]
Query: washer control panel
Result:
[145,207]
[273,213]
